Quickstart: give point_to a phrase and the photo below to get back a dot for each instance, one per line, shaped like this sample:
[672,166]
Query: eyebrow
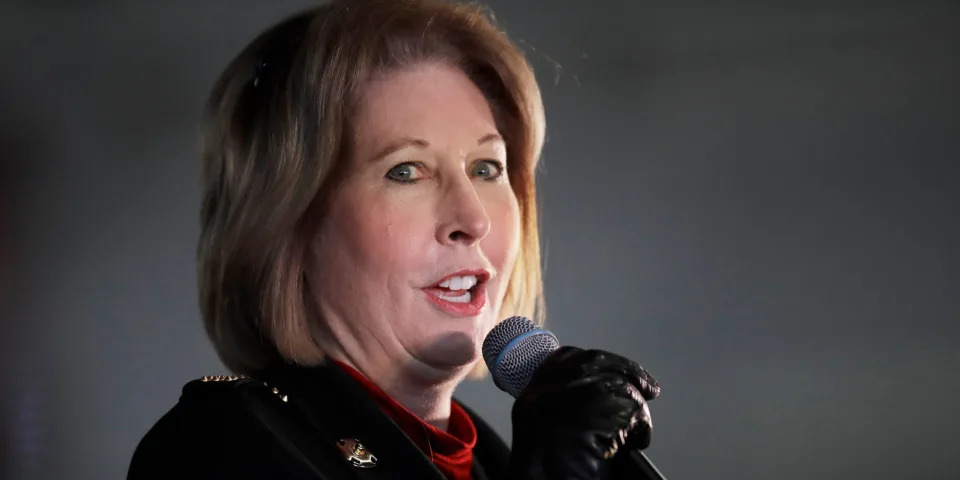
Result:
[421,143]
[492,137]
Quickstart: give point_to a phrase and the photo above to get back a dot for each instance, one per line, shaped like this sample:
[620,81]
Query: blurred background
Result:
[757,201]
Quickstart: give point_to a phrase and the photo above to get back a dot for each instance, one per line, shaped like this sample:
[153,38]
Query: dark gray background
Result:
[756,200]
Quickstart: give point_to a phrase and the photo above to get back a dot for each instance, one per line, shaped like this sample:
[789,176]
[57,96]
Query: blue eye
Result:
[487,169]
[406,172]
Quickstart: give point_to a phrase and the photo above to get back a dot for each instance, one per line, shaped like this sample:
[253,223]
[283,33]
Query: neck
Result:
[429,402]
[424,390]
[427,399]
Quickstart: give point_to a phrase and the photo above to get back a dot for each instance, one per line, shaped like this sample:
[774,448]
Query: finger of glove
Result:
[641,431]
[583,389]
[627,414]
[637,375]
[604,423]
[631,418]
[584,425]
[601,402]
[569,364]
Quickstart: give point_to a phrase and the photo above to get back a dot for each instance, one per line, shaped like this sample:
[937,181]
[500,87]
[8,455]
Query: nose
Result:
[463,218]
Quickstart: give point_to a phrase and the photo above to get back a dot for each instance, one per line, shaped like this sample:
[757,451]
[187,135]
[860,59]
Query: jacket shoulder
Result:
[207,434]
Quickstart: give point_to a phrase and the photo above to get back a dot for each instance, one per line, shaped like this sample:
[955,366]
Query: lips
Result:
[450,296]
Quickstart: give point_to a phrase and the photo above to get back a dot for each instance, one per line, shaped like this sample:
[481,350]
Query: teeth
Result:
[459,283]
[464,297]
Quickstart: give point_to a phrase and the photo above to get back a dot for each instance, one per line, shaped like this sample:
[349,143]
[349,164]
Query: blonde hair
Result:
[277,129]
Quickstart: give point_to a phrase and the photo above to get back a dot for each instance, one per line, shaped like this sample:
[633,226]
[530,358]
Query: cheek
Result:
[503,242]
[386,237]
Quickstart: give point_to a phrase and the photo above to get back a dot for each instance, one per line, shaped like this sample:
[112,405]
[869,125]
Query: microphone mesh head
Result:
[512,364]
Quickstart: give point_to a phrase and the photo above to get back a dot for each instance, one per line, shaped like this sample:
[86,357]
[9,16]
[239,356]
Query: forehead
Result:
[432,101]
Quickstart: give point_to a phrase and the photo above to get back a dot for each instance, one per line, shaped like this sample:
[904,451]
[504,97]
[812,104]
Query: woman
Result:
[369,215]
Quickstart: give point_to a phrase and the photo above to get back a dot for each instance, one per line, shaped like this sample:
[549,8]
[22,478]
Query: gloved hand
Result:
[579,409]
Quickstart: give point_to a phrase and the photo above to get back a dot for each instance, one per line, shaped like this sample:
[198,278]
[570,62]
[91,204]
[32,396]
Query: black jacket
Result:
[291,423]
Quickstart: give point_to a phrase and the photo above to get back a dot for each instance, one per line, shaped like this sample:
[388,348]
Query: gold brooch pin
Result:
[356,453]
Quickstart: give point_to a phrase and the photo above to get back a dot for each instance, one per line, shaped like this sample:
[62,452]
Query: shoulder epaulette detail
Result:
[229,380]
[222,378]
[277,393]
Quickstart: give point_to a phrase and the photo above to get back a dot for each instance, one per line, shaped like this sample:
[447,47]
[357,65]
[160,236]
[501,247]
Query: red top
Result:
[451,451]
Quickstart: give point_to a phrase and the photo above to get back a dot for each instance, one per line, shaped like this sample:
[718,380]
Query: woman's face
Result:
[413,259]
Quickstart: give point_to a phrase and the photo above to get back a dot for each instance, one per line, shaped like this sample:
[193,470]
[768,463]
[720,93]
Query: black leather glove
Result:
[579,409]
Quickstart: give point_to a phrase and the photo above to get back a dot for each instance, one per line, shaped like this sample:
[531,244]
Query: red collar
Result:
[451,451]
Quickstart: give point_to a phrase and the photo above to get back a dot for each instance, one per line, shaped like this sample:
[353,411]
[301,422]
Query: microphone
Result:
[514,349]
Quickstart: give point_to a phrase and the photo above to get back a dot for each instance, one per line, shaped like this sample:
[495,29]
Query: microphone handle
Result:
[634,465]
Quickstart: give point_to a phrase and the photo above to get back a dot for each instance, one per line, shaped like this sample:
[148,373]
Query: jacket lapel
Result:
[338,408]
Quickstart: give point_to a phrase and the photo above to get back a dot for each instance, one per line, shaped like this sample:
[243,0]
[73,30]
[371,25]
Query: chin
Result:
[454,351]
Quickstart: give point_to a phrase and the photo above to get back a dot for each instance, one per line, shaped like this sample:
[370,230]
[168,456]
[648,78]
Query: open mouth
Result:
[460,294]
[457,289]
